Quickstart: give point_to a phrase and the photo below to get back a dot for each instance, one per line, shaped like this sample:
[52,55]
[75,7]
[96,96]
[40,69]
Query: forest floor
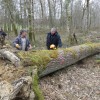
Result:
[77,82]
[9,72]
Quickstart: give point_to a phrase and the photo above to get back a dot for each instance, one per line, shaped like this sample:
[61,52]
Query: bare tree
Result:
[87,15]
[30,8]
[50,14]
[9,6]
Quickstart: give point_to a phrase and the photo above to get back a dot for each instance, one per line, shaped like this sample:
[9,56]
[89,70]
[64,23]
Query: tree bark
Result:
[49,61]
[9,5]
[87,14]
[70,56]
[50,14]
[10,56]
[9,91]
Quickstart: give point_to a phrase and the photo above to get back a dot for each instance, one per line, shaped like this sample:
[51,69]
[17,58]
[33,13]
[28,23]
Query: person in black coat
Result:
[2,32]
[53,39]
[2,37]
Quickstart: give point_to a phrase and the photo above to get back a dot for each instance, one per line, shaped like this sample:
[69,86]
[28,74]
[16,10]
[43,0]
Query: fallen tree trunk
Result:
[10,56]
[49,61]
[70,56]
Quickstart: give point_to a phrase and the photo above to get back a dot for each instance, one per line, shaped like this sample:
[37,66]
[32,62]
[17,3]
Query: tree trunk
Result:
[42,10]
[30,8]
[88,15]
[50,14]
[83,13]
[70,36]
[49,61]
[33,21]
[9,5]
[61,18]
[67,2]
[10,56]
[71,56]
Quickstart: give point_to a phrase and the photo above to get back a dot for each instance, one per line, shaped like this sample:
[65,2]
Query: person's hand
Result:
[17,46]
[30,47]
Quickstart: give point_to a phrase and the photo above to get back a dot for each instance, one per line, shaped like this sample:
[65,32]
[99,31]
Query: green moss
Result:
[90,45]
[38,58]
[71,50]
[41,58]
[35,83]
[97,61]
[36,89]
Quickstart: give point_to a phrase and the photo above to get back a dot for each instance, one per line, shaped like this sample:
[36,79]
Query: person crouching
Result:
[53,40]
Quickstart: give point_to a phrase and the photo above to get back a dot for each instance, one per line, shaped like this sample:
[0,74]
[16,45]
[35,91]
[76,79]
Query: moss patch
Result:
[38,58]
[36,89]
[97,61]
[35,83]
[70,50]
[92,45]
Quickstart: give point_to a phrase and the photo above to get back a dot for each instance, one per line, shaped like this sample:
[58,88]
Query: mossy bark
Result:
[49,61]
[35,83]
[36,88]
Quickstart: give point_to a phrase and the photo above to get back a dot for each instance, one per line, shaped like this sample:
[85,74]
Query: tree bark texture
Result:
[49,61]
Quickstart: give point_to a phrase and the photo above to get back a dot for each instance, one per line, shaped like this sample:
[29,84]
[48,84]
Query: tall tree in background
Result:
[67,3]
[25,20]
[30,8]
[10,6]
[50,14]
[42,10]
[61,18]
[83,14]
[87,15]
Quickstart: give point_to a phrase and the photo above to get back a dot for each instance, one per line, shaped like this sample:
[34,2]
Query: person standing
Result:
[21,42]
[2,37]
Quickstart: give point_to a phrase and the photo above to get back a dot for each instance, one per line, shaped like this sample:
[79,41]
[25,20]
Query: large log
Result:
[49,61]
[10,56]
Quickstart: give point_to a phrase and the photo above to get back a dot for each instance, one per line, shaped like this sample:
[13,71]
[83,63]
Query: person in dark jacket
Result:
[21,42]
[2,32]
[2,37]
[53,39]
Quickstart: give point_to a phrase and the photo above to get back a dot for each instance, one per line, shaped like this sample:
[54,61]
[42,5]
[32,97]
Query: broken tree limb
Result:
[49,61]
[10,56]
[9,91]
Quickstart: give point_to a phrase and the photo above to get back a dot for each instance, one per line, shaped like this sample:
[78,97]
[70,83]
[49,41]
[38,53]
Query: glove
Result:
[17,46]
[53,47]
